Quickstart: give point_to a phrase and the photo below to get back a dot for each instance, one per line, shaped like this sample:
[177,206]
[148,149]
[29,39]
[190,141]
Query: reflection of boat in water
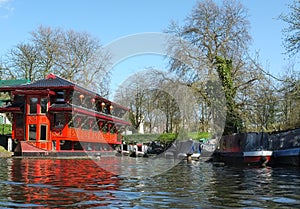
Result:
[244,149]
[55,117]
[134,150]
[286,148]
[56,183]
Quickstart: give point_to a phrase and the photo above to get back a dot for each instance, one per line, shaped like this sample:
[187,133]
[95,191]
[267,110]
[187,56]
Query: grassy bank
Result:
[4,152]
[165,137]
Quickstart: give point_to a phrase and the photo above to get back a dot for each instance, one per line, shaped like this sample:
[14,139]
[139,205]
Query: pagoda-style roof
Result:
[51,82]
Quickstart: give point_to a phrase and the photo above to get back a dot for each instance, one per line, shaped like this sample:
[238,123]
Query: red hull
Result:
[256,159]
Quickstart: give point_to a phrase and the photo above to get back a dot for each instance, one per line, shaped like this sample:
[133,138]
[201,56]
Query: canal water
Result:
[82,183]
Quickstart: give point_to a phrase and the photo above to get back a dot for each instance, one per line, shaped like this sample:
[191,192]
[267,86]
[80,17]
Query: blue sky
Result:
[112,19]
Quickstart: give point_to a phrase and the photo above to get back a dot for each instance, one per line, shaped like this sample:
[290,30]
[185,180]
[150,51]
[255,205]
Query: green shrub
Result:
[5,129]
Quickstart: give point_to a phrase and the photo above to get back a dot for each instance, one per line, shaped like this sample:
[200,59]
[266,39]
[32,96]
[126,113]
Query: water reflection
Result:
[46,183]
[42,182]
[136,167]
[255,187]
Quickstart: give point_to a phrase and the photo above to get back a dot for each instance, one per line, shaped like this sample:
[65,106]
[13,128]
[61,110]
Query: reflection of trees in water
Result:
[258,187]
[58,182]
[4,175]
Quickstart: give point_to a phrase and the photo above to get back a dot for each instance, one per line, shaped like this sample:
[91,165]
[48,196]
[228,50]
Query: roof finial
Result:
[51,76]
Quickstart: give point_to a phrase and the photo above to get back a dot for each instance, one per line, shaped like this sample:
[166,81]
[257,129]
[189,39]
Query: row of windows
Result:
[80,122]
[39,105]
[33,105]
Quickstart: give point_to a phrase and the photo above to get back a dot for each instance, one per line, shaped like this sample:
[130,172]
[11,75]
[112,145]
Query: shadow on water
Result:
[53,183]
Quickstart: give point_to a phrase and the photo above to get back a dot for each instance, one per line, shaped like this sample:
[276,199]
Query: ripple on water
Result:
[40,183]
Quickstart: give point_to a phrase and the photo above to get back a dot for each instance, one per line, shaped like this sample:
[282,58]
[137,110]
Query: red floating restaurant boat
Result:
[55,117]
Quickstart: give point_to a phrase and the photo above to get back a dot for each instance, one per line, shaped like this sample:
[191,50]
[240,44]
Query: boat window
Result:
[20,101]
[60,98]
[32,132]
[77,146]
[44,103]
[59,120]
[113,130]
[19,119]
[105,128]
[43,134]
[33,105]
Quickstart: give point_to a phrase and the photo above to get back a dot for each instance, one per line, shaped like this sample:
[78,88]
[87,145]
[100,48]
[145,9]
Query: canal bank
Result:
[4,152]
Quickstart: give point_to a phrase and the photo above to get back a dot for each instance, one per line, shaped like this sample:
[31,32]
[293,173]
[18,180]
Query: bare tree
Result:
[153,98]
[76,56]
[133,94]
[24,58]
[290,100]
[216,46]
[292,31]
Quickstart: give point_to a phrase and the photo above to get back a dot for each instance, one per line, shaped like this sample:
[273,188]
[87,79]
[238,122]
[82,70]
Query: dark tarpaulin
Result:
[284,140]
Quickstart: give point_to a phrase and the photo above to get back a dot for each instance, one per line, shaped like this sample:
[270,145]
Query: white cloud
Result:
[5,8]
[3,3]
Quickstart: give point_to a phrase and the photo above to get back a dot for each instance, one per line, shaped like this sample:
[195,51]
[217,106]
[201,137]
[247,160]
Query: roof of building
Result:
[50,82]
[13,82]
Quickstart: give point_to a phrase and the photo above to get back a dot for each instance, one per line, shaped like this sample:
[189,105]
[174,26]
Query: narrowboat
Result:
[244,149]
[286,148]
[190,150]
[56,117]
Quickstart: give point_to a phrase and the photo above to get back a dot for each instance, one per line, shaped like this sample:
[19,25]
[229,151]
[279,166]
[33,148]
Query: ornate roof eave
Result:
[10,109]
[33,91]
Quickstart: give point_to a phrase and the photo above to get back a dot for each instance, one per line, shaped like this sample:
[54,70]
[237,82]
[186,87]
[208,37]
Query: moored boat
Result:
[56,117]
[286,148]
[244,149]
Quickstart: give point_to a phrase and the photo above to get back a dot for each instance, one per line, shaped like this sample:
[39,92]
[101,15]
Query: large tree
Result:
[76,56]
[292,31]
[290,100]
[216,46]
[290,89]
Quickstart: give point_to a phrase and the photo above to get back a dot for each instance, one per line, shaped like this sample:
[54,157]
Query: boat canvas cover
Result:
[285,140]
[256,141]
